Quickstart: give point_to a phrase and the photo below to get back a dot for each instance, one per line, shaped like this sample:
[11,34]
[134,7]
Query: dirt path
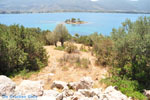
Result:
[55,72]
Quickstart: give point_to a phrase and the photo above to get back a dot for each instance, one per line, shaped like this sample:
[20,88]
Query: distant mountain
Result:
[74,5]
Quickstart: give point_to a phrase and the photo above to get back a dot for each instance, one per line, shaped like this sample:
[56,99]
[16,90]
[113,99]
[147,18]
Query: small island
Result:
[75,21]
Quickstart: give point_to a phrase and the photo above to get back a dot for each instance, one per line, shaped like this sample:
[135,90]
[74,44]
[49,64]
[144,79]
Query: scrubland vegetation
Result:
[126,52]
[20,49]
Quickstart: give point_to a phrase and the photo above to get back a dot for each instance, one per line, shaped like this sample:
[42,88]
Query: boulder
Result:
[68,98]
[50,93]
[95,98]
[90,92]
[86,98]
[72,85]
[45,98]
[85,83]
[59,85]
[147,93]
[7,86]
[67,93]
[112,94]
[59,96]
[77,96]
[28,87]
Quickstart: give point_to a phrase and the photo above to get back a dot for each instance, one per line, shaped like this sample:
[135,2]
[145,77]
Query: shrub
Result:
[60,48]
[83,48]
[132,50]
[126,86]
[70,48]
[20,49]
[83,63]
[86,40]
[131,60]
[71,58]
[51,38]
[74,60]
[102,48]
[61,33]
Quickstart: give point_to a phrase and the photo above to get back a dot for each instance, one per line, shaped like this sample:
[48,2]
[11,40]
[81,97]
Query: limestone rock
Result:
[50,93]
[46,98]
[147,93]
[84,83]
[90,92]
[7,86]
[59,85]
[59,96]
[95,98]
[77,96]
[72,85]
[28,87]
[112,94]
[67,93]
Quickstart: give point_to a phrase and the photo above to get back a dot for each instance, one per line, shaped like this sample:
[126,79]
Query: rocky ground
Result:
[59,82]
[55,71]
[33,90]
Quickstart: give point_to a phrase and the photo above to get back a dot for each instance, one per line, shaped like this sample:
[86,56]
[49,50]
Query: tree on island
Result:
[79,20]
[61,33]
[67,20]
[73,20]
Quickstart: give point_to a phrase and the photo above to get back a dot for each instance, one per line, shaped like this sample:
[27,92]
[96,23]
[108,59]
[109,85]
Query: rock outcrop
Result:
[7,86]
[82,90]
[59,85]
[84,83]
[147,94]
[28,87]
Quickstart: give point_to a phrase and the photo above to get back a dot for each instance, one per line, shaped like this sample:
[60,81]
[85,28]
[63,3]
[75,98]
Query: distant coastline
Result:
[67,11]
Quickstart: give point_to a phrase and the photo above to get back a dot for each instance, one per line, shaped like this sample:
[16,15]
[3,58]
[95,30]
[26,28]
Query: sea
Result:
[102,23]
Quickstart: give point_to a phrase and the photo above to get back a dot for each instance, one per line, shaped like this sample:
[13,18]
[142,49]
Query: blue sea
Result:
[97,22]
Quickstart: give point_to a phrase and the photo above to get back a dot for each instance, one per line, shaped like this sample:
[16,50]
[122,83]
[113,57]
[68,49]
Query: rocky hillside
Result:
[63,80]
[33,90]
[74,5]
[60,69]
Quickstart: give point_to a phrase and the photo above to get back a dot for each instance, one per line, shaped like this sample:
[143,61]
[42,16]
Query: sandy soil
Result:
[55,72]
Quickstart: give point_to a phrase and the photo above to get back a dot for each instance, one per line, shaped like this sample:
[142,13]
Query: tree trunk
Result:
[56,44]
[62,43]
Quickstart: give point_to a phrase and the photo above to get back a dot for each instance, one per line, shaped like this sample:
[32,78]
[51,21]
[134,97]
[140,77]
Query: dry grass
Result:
[65,73]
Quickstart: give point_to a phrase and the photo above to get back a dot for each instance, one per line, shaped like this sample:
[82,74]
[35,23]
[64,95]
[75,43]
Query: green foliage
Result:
[126,86]
[70,47]
[60,48]
[83,48]
[132,50]
[73,20]
[131,60]
[51,38]
[69,58]
[26,73]
[74,60]
[86,40]
[20,49]
[61,33]
[102,47]
[83,63]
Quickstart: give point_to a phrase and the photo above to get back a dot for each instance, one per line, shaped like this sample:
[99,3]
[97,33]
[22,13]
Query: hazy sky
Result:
[98,0]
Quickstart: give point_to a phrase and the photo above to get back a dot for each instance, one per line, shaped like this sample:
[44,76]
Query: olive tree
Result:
[61,33]
[51,38]
[132,49]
